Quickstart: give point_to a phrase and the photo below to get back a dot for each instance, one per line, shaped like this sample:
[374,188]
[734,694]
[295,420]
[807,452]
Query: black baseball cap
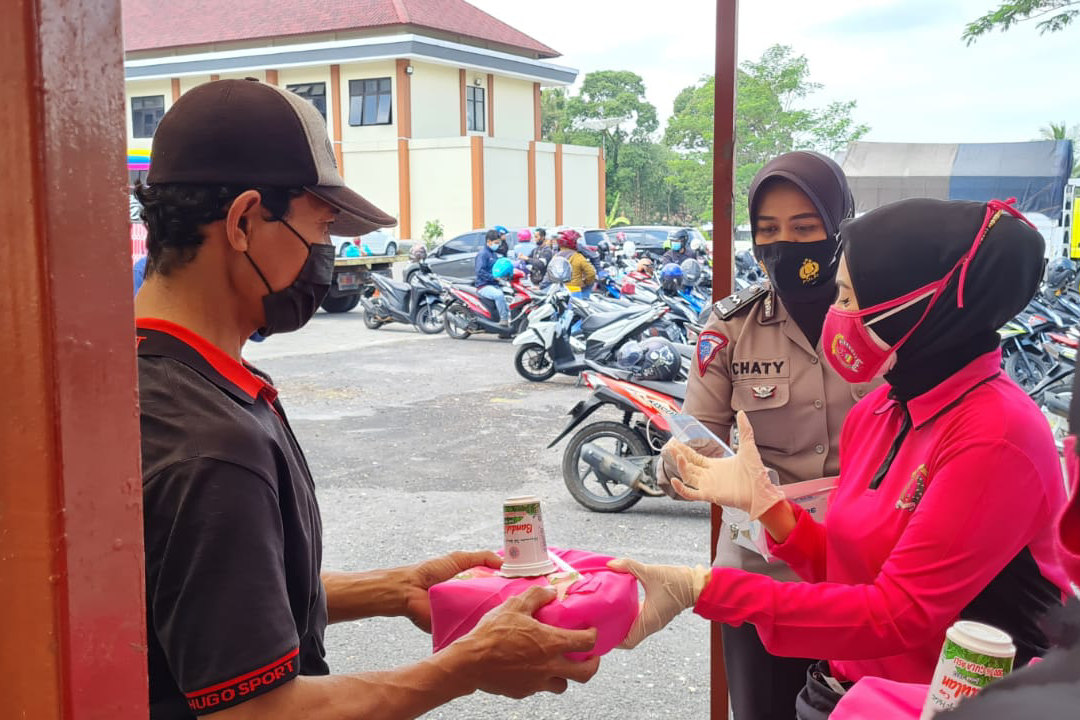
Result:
[244,132]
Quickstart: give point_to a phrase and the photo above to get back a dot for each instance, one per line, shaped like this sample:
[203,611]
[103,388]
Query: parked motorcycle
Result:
[548,345]
[609,466]
[417,302]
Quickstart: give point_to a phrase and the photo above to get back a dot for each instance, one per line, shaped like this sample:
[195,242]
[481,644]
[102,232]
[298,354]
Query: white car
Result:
[377,242]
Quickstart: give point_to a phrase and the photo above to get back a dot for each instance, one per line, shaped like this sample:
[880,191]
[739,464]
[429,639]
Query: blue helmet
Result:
[671,276]
[501,230]
[502,268]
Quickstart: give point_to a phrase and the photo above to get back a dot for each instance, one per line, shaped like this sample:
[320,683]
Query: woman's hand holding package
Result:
[739,481]
[669,589]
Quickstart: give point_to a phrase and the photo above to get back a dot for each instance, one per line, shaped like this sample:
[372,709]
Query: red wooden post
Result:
[727,20]
[71,562]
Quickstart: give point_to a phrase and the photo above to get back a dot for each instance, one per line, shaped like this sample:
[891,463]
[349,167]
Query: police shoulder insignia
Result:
[732,304]
[709,345]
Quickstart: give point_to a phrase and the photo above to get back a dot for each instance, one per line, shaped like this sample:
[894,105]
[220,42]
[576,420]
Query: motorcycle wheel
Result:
[533,363]
[591,490]
[429,318]
[372,322]
[1029,375]
[456,322]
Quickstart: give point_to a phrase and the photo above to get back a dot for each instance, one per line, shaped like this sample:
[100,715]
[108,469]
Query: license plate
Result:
[348,281]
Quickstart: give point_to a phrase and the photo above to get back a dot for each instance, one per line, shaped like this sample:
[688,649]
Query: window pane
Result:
[356,109]
[371,86]
[370,109]
[384,85]
[146,113]
[384,109]
[320,105]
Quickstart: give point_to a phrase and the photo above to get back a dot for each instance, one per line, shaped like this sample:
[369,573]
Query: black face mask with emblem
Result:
[800,272]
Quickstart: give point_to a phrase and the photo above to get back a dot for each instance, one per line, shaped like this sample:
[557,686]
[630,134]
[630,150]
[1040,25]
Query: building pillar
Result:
[532,183]
[727,22]
[558,185]
[214,77]
[404,99]
[476,143]
[72,606]
[404,191]
[175,89]
[339,120]
[272,77]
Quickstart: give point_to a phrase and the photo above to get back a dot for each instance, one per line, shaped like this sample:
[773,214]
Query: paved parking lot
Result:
[414,442]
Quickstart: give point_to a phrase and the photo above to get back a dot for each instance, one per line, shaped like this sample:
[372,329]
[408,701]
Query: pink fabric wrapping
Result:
[600,598]
[874,698]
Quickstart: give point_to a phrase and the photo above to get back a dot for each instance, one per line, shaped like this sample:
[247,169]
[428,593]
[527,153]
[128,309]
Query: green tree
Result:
[772,117]
[1059,131]
[1055,15]
[553,119]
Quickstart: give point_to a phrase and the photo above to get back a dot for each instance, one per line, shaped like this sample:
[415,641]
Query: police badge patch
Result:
[709,345]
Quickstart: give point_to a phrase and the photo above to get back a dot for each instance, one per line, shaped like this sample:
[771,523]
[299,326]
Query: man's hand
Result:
[511,653]
[420,577]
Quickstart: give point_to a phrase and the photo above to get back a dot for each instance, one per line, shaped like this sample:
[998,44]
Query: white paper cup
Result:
[525,552]
[973,656]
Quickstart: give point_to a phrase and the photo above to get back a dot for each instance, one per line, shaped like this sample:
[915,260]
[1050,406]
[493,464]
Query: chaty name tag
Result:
[812,495]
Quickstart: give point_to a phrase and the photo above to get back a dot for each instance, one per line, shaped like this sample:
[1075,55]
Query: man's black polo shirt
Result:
[234,603]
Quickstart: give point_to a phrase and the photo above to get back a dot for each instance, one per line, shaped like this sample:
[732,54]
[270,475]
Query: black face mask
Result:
[801,272]
[291,307]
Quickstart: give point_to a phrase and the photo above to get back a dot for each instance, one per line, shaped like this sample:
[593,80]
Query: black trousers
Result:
[761,686]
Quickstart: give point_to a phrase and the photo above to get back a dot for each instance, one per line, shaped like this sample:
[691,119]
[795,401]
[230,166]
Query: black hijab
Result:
[825,184]
[905,245]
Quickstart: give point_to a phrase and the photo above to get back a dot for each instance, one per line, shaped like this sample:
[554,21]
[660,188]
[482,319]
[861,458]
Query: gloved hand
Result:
[666,468]
[669,589]
[739,481]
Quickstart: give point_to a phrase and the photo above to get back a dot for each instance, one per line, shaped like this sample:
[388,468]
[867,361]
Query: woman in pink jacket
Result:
[949,477]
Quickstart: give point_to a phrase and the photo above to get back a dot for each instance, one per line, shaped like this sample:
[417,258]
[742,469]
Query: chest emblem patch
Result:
[709,345]
[810,271]
[914,490]
[763,392]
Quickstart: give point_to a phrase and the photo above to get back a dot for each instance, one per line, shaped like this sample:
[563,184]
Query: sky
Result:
[903,61]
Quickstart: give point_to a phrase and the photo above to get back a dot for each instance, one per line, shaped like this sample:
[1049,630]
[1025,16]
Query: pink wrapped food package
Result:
[591,596]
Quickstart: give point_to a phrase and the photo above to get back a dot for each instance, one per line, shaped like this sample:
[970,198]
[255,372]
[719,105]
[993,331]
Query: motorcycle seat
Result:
[599,320]
[672,389]
[395,284]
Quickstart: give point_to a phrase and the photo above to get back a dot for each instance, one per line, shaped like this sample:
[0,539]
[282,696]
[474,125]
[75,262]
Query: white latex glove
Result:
[669,589]
[740,481]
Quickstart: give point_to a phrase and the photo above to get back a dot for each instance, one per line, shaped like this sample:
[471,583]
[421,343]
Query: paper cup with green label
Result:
[973,656]
[525,552]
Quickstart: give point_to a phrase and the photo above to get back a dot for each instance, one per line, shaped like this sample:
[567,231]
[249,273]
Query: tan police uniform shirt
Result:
[759,361]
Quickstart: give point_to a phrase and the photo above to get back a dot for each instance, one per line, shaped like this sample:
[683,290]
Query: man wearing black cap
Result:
[241,198]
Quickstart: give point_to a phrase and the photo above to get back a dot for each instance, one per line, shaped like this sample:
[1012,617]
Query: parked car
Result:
[650,239]
[377,242]
[456,257]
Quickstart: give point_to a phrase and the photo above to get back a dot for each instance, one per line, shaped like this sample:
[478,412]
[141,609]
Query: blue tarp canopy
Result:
[1035,173]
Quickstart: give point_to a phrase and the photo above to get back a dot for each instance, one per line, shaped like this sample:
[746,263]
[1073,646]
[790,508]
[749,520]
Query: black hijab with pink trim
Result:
[905,245]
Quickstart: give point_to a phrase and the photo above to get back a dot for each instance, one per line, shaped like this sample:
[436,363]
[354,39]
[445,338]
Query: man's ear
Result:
[238,220]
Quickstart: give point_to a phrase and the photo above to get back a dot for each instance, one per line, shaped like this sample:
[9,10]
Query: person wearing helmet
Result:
[671,278]
[680,248]
[486,283]
[760,353]
[418,254]
[558,271]
[503,247]
[654,359]
[583,273]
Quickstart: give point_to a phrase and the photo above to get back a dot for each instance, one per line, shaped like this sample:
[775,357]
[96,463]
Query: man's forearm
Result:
[391,695]
[356,595]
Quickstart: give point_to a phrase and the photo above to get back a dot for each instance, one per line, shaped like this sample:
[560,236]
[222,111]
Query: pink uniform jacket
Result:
[975,482]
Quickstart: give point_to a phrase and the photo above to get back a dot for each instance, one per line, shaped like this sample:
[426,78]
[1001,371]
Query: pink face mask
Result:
[1068,525]
[851,350]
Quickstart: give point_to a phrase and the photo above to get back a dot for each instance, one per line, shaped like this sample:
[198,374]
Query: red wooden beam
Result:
[727,21]
[71,569]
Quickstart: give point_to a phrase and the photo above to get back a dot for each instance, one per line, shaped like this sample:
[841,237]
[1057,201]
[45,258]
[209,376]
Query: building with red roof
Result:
[433,106]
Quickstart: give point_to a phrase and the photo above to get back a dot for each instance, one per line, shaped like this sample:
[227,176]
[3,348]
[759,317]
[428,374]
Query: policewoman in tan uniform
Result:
[761,353]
